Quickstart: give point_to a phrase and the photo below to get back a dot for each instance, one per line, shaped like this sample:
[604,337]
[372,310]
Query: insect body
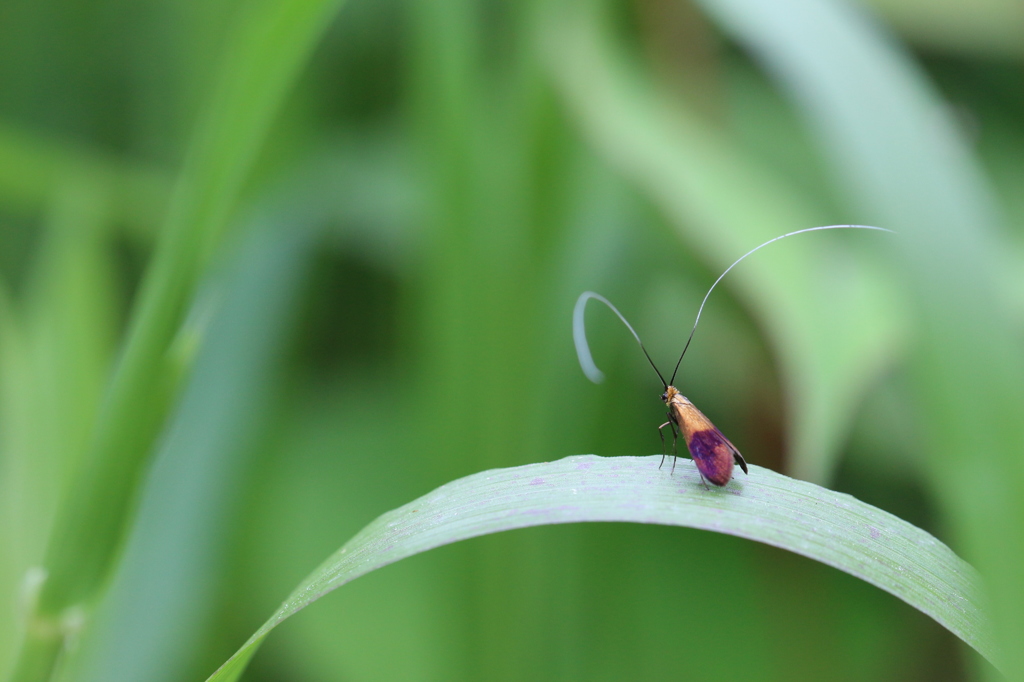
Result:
[712,452]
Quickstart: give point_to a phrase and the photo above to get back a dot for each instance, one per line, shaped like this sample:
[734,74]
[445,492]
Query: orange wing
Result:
[712,452]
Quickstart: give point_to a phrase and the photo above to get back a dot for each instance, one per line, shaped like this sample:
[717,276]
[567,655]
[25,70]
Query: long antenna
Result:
[789,234]
[579,335]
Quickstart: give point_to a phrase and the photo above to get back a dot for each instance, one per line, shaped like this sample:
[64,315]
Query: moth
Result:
[712,453]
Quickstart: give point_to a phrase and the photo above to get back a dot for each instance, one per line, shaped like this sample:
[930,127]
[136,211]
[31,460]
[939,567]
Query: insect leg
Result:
[675,438]
[662,434]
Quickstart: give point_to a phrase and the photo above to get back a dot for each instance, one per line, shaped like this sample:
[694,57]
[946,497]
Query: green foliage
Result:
[834,529]
[270,269]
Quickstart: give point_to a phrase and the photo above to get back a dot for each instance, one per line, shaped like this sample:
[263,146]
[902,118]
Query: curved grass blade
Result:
[833,528]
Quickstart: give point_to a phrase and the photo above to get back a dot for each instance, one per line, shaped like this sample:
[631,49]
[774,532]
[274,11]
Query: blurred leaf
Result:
[70,308]
[34,166]
[979,28]
[152,622]
[833,321]
[363,187]
[265,51]
[332,457]
[269,46]
[14,385]
[56,348]
[829,527]
[904,163]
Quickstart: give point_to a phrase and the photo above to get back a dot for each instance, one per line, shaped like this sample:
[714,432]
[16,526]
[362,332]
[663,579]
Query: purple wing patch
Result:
[712,454]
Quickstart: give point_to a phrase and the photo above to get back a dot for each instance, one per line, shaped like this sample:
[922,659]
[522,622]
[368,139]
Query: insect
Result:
[711,451]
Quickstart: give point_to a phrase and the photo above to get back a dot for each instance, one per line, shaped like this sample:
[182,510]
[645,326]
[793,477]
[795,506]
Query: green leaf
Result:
[54,356]
[152,619]
[265,51]
[833,528]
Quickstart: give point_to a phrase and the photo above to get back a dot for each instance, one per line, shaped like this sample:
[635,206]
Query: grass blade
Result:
[152,619]
[833,528]
[266,51]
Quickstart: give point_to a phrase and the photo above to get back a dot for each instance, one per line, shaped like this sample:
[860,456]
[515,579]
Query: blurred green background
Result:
[270,269]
